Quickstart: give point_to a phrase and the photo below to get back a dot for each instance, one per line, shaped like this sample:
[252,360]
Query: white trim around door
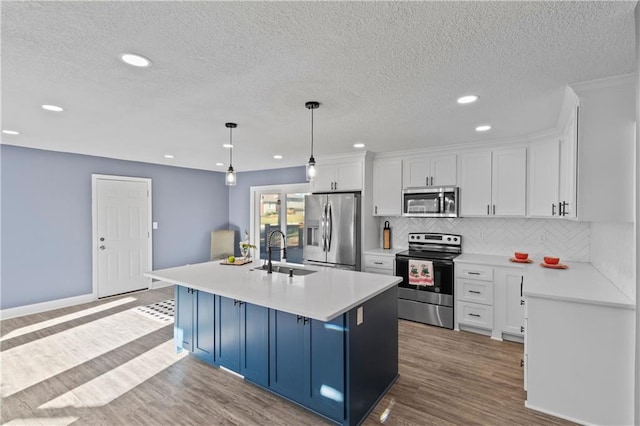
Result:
[94,215]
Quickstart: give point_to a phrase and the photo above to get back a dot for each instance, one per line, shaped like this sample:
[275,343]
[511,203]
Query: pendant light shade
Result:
[230,175]
[311,165]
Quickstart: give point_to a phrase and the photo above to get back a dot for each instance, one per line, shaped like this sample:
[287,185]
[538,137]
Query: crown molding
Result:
[601,83]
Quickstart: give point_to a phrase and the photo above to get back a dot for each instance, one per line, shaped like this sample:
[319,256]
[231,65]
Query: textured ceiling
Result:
[386,74]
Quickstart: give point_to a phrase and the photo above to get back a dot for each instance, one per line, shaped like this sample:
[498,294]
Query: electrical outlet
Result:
[481,235]
[543,238]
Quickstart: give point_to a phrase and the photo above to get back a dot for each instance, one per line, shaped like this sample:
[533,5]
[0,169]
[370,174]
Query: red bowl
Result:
[521,256]
[551,260]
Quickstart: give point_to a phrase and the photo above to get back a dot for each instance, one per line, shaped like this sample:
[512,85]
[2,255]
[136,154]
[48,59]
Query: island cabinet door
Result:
[254,343]
[328,367]
[227,348]
[204,321]
[183,325]
[289,356]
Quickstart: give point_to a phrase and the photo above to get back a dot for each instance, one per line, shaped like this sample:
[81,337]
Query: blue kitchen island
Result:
[326,340]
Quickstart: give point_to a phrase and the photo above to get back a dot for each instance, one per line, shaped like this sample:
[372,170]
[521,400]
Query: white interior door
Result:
[122,234]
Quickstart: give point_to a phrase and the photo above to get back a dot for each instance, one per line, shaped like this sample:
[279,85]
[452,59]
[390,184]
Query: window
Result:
[281,208]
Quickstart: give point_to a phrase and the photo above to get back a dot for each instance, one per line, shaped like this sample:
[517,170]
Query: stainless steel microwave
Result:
[430,202]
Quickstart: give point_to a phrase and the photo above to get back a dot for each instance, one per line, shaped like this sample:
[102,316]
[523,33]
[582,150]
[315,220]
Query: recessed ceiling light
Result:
[483,128]
[55,108]
[278,157]
[227,145]
[135,60]
[358,145]
[219,164]
[168,156]
[467,99]
[10,132]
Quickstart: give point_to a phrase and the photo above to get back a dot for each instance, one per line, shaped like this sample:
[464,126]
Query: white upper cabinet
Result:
[606,139]
[387,187]
[544,178]
[420,171]
[494,183]
[475,184]
[509,182]
[340,176]
[568,166]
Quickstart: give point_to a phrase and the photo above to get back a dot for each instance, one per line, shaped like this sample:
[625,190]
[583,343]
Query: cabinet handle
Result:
[235,302]
[427,180]
[335,186]
[522,363]
[474,315]
[563,207]
[305,320]
[553,209]
[494,209]
[378,263]
[473,273]
[488,210]
[298,318]
[474,292]
[521,329]
[431,180]
[521,302]
[521,284]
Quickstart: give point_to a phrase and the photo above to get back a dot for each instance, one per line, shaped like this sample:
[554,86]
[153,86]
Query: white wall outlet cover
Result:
[155,225]
[360,315]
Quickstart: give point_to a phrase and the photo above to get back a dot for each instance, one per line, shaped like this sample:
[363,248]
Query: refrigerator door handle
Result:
[330,226]
[323,225]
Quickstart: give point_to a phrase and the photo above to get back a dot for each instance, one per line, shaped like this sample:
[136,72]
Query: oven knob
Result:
[455,239]
[448,238]
[412,237]
[417,237]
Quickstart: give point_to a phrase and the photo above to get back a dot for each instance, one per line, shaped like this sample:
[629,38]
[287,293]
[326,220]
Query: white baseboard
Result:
[45,306]
[554,414]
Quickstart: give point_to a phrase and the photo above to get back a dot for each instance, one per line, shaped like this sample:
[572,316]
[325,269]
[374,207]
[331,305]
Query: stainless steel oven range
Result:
[426,291]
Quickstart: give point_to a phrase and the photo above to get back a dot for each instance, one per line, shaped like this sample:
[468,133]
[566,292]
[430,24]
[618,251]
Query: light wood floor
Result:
[99,364]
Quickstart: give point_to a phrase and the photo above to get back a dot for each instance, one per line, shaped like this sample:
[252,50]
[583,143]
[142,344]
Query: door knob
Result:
[101,247]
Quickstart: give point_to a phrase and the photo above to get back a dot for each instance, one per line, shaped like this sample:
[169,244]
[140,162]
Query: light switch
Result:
[155,225]
[360,315]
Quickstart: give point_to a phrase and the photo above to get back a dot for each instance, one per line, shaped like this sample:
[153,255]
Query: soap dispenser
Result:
[386,235]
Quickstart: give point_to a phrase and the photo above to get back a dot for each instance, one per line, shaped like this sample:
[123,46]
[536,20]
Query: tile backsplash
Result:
[566,239]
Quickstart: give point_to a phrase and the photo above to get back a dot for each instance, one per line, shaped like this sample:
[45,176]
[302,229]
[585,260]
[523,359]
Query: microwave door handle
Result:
[441,199]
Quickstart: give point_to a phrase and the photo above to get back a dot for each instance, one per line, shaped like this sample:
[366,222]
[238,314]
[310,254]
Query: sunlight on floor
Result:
[42,359]
[109,386]
[65,318]
[42,421]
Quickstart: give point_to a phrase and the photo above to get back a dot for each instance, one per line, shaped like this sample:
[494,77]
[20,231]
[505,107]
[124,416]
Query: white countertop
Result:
[581,282]
[322,295]
[384,252]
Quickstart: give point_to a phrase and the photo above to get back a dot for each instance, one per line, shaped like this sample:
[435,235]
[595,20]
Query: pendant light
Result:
[230,176]
[311,165]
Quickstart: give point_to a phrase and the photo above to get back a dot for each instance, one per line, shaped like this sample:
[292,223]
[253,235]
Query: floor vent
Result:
[160,311]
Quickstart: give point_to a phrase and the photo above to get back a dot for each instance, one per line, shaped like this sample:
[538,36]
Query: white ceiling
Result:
[386,74]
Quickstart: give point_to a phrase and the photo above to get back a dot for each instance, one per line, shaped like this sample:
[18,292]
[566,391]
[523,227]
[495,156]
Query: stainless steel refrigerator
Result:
[332,230]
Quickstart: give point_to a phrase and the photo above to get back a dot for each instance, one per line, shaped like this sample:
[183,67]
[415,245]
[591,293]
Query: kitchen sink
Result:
[284,269]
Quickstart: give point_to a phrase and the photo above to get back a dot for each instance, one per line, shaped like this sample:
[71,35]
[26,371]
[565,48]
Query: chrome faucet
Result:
[283,249]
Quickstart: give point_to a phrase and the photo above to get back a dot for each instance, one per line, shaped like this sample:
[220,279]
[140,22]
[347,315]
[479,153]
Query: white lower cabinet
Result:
[489,301]
[473,295]
[509,319]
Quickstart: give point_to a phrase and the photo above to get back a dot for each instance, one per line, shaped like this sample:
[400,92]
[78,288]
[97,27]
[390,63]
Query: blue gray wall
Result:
[46,219]
[239,195]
